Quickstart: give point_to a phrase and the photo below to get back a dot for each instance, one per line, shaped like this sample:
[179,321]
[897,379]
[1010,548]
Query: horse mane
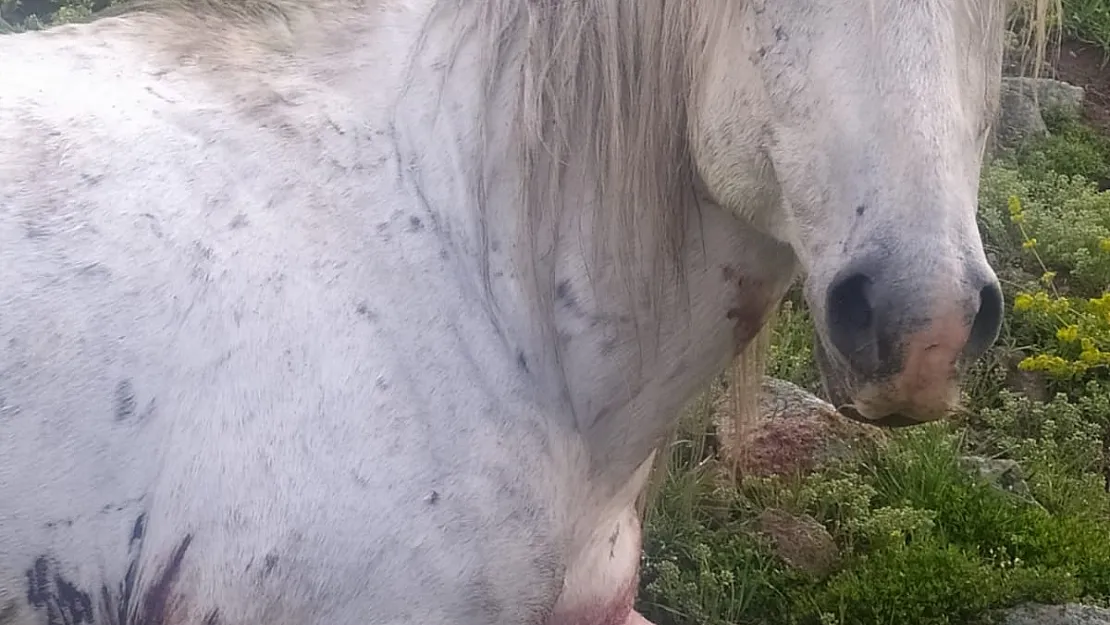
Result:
[603,103]
[610,84]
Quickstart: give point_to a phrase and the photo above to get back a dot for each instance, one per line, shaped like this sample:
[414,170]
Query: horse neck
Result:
[615,368]
[456,149]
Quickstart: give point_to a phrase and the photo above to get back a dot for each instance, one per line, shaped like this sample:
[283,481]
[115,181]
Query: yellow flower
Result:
[1068,334]
[1053,365]
[1023,301]
[1048,276]
[1029,244]
[1104,244]
[1014,204]
[1091,356]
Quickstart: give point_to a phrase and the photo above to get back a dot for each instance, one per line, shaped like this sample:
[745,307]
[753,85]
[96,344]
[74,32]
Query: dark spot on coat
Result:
[416,223]
[564,338]
[238,221]
[155,609]
[118,506]
[154,225]
[383,231]
[117,609]
[125,400]
[364,311]
[613,541]
[608,346]
[202,250]
[563,294]
[127,590]
[522,361]
[92,180]
[750,313]
[95,270]
[861,209]
[747,325]
[7,613]
[138,529]
[780,34]
[35,231]
[432,498]
[51,593]
[212,618]
[269,563]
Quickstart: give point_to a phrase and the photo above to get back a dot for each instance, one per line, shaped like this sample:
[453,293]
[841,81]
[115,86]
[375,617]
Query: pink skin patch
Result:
[601,584]
[927,387]
[617,611]
[929,371]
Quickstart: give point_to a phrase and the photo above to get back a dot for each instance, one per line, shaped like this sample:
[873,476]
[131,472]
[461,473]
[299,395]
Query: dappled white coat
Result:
[274,349]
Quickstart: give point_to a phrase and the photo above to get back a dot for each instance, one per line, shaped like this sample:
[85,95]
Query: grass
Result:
[921,539]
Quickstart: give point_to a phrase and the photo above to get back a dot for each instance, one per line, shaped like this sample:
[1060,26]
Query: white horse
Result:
[356,312]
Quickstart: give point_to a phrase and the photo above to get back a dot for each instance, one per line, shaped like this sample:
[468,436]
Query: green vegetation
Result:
[920,537]
[19,15]
[1088,21]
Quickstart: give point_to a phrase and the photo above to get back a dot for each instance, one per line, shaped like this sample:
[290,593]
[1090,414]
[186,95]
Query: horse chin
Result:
[892,420]
[871,402]
[886,417]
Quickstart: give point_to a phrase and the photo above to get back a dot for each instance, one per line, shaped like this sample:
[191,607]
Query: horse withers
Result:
[357,312]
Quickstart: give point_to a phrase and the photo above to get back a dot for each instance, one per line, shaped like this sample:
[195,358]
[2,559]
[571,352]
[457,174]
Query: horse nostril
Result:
[987,323]
[851,320]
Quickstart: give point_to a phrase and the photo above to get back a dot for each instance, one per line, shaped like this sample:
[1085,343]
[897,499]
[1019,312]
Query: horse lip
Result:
[892,421]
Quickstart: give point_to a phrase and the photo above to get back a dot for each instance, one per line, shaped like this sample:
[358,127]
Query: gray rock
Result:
[801,542]
[1005,475]
[1023,100]
[1070,614]
[1059,96]
[794,432]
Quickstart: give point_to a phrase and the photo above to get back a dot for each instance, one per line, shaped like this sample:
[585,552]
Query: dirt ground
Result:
[1086,66]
